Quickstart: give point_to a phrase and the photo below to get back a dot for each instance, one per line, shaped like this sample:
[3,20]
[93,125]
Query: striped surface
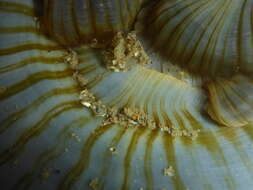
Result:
[75,21]
[230,101]
[207,37]
[40,117]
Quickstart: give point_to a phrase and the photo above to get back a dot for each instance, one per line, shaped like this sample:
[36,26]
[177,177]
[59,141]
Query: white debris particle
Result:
[71,58]
[75,136]
[72,134]
[94,42]
[86,104]
[168,171]
[191,133]
[36,19]
[113,150]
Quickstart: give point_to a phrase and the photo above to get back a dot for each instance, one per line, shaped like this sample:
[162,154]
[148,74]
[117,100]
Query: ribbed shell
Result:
[40,112]
[207,37]
[72,22]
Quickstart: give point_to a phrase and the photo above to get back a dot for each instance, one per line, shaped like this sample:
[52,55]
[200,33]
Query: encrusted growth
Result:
[124,51]
[71,58]
[88,100]
[169,171]
[129,117]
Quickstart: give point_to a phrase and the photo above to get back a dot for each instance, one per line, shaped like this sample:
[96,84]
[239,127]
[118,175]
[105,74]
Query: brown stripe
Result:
[35,130]
[74,19]
[128,157]
[214,37]
[168,145]
[75,172]
[92,16]
[231,135]
[173,15]
[88,68]
[12,118]
[31,46]
[248,129]
[209,141]
[148,159]
[240,33]
[177,32]
[32,80]
[190,55]
[44,159]
[96,80]
[30,60]
[108,155]
[16,8]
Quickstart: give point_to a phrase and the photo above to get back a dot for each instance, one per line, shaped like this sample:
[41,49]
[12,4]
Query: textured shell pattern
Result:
[49,140]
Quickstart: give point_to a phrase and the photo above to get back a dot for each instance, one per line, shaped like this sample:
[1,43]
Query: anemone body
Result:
[49,140]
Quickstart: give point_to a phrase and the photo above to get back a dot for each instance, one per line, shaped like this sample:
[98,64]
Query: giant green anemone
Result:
[126,94]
